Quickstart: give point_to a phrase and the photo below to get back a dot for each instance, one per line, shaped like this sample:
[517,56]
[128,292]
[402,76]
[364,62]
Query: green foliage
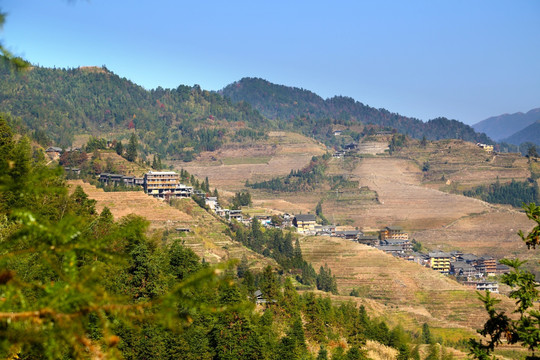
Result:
[323,353]
[417,246]
[96,144]
[69,276]
[532,152]
[398,142]
[277,244]
[131,151]
[426,334]
[515,193]
[526,328]
[302,110]
[119,148]
[326,281]
[242,198]
[533,237]
[179,123]
[306,179]
[319,213]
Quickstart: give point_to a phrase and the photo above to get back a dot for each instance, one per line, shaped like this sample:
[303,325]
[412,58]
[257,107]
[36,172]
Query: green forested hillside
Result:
[304,110]
[76,284]
[59,103]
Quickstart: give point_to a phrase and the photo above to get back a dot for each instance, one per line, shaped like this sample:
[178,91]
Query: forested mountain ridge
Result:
[299,108]
[529,134]
[59,103]
[504,126]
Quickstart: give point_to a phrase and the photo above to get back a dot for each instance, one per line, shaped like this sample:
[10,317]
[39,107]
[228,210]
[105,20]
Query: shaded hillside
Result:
[530,134]
[504,126]
[305,110]
[56,104]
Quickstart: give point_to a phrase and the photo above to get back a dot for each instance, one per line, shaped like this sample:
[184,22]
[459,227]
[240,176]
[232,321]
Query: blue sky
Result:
[465,60]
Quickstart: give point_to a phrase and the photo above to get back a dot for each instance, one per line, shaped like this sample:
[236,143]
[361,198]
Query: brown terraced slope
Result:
[206,234]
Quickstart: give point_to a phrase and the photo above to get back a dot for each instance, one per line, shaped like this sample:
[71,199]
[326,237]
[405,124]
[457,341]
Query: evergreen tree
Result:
[206,185]
[119,148]
[323,353]
[242,267]
[131,153]
[269,284]
[426,334]
[355,353]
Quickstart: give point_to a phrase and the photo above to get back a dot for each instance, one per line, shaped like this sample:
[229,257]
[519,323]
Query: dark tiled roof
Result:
[306,217]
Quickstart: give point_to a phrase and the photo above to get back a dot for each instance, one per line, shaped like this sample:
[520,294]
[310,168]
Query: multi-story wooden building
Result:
[440,262]
[163,184]
[487,265]
[394,232]
[305,224]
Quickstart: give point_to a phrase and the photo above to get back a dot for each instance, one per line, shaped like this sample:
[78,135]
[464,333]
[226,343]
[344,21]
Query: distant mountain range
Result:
[314,115]
[512,128]
[57,104]
[530,134]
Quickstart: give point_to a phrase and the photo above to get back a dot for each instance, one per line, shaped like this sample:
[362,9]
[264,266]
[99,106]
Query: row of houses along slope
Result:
[469,269]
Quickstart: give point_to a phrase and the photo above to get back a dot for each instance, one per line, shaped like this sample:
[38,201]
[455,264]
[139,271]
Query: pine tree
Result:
[206,185]
[323,353]
[131,153]
[426,334]
[269,284]
[119,148]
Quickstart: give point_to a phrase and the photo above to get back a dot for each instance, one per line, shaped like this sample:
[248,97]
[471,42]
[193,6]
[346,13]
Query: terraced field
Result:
[464,165]
[410,293]
[229,167]
[207,233]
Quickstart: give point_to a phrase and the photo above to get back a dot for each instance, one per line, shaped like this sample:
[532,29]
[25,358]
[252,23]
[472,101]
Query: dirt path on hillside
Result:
[404,201]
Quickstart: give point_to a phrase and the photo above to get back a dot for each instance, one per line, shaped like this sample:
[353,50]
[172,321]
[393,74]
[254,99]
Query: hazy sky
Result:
[465,60]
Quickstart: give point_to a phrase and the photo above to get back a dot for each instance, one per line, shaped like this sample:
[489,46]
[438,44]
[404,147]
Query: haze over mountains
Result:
[512,128]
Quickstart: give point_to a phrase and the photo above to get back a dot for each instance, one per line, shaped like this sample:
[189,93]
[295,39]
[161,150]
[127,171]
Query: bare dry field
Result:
[230,166]
[437,219]
[409,293]
[493,233]
[402,198]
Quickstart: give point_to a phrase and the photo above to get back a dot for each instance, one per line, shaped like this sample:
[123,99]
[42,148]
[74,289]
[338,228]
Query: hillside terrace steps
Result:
[396,283]
[135,202]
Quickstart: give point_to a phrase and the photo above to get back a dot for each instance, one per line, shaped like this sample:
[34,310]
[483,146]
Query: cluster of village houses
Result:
[469,269]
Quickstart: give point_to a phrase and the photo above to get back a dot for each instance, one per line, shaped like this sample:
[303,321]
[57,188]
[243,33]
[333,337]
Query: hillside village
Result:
[468,269]
[141,218]
[370,180]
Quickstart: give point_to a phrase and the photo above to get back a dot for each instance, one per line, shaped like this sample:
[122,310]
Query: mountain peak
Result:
[503,126]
